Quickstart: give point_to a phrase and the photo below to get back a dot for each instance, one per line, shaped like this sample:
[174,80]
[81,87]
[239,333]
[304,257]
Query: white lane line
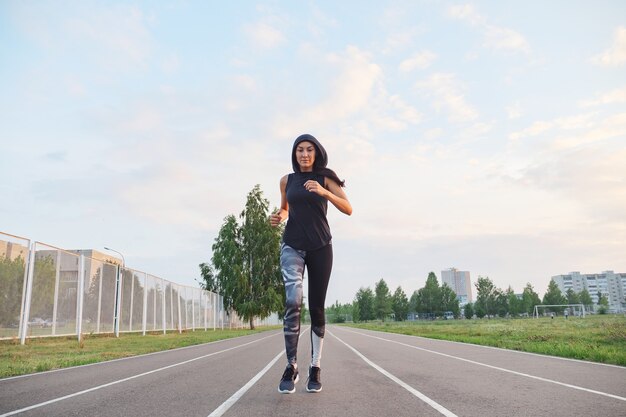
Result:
[219,411]
[236,396]
[398,381]
[65,397]
[606,394]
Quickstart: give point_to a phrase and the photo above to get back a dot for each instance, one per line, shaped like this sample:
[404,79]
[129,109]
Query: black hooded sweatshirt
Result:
[307,227]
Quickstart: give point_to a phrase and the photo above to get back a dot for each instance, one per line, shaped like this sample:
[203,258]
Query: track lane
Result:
[474,390]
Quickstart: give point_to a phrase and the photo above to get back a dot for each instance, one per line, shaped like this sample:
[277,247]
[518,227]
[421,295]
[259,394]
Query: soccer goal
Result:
[574,309]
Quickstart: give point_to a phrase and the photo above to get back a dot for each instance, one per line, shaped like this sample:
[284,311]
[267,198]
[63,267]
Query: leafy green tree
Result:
[468,310]
[603,303]
[356,312]
[449,301]
[514,303]
[485,297]
[42,296]
[585,298]
[400,304]
[382,300]
[429,297]
[554,296]
[365,304]
[414,302]
[11,285]
[529,299]
[572,296]
[338,313]
[246,268]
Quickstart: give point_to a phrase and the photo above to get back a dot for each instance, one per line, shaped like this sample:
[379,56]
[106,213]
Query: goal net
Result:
[567,309]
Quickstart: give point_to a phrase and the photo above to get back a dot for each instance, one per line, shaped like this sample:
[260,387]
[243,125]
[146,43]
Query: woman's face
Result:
[305,155]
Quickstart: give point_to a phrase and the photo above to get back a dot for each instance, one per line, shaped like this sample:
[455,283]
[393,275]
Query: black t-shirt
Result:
[307,227]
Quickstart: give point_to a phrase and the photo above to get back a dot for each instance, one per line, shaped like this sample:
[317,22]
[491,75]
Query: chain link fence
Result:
[48,291]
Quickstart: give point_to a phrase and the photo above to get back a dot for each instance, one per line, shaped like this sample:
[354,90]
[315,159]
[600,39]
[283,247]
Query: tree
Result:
[585,298]
[554,297]
[429,297]
[529,299]
[603,303]
[485,297]
[364,304]
[246,268]
[400,304]
[514,303]
[572,296]
[449,301]
[468,310]
[382,300]
[338,313]
[11,284]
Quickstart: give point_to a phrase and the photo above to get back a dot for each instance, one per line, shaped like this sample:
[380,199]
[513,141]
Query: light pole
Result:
[119,253]
[116,321]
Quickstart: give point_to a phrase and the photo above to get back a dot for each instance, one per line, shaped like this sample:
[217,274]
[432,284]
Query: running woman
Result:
[307,243]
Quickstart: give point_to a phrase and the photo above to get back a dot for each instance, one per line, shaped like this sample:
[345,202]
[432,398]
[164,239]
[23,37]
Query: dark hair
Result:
[321,159]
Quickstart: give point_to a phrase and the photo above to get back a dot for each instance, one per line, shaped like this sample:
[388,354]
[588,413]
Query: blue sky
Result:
[487,136]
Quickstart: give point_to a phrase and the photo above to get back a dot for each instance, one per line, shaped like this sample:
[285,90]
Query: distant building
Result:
[12,251]
[610,284]
[460,283]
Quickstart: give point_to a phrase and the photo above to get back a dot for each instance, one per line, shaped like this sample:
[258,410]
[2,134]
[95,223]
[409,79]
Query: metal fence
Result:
[48,291]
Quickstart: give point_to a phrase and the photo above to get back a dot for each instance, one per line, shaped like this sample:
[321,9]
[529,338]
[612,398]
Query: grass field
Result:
[43,354]
[597,338]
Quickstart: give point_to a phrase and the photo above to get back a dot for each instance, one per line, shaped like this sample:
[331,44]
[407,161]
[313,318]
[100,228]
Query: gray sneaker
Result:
[314,383]
[289,380]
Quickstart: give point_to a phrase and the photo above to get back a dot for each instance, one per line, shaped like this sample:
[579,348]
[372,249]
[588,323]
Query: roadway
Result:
[364,373]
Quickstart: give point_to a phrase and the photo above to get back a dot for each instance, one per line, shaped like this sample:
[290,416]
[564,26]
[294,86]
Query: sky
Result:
[486,136]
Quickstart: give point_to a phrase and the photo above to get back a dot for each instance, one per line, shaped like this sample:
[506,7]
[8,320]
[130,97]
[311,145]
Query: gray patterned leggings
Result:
[319,264]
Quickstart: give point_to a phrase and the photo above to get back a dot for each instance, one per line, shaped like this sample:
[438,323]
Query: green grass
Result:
[597,338]
[43,354]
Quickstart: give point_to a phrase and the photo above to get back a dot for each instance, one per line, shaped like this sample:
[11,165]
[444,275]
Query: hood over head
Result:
[321,158]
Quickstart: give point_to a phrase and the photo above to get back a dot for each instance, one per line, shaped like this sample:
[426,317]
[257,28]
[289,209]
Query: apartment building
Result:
[460,283]
[608,283]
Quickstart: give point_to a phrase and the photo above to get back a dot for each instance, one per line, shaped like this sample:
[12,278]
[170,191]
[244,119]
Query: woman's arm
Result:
[282,213]
[331,192]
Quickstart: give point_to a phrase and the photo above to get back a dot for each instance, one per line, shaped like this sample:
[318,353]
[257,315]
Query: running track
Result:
[364,373]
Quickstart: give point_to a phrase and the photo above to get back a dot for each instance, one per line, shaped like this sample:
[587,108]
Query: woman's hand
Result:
[315,187]
[275,219]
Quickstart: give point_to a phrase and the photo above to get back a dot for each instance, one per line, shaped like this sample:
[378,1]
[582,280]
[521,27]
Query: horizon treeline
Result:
[435,301]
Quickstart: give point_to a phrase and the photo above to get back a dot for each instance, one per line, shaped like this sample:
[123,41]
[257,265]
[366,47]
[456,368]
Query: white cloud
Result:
[420,60]
[468,13]
[514,111]
[579,121]
[264,35]
[447,93]
[611,97]
[119,37]
[505,38]
[495,37]
[616,54]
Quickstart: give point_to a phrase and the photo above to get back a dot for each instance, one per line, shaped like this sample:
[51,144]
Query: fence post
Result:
[132,300]
[56,293]
[29,291]
[118,300]
[145,304]
[163,305]
[80,297]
